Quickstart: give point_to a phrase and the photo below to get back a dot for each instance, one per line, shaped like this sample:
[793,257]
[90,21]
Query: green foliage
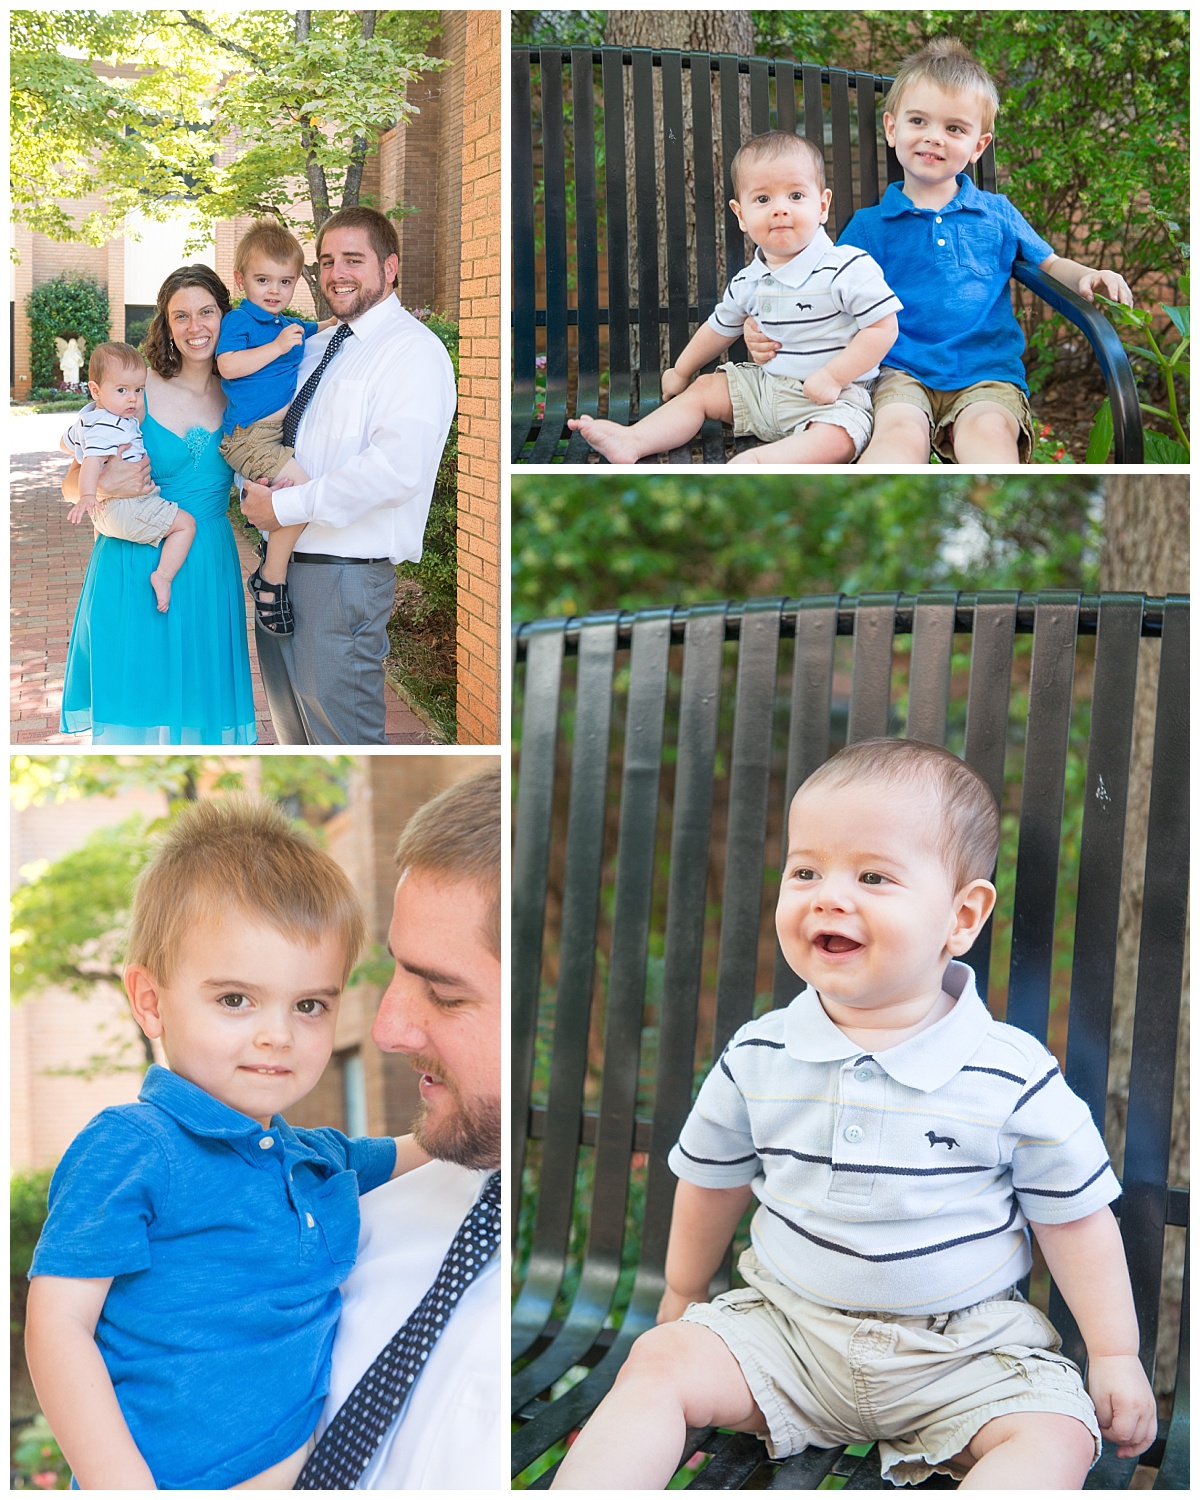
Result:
[558,28]
[1165,355]
[70,305]
[304,94]
[26,1214]
[583,543]
[37,1461]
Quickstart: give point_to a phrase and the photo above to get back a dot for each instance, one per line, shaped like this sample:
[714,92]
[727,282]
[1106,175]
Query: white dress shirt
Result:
[453,1433]
[372,437]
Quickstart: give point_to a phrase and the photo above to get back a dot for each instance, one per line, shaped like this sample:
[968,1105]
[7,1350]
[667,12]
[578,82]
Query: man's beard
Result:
[469,1135]
[366,297]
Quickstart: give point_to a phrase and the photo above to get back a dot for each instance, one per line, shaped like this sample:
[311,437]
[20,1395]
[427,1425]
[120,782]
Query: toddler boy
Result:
[184,1290]
[954,379]
[899,1142]
[829,307]
[117,384]
[258,355]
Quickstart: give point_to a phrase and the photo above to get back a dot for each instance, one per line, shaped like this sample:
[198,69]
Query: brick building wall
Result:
[479,389]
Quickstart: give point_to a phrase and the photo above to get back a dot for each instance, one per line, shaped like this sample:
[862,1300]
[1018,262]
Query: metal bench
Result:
[574,245]
[657,753]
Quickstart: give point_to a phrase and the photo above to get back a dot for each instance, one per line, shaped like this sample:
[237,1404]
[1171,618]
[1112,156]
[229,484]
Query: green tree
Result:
[69,305]
[301,96]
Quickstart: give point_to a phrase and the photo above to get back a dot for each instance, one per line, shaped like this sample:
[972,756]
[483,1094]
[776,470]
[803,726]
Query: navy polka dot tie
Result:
[291,417]
[352,1437]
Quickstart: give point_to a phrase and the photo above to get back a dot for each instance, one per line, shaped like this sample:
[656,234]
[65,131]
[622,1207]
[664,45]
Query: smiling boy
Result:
[196,1241]
[830,309]
[900,1144]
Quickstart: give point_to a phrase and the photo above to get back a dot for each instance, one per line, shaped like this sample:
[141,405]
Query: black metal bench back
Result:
[615,699]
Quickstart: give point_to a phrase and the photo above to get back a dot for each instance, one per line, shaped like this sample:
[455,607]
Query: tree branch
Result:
[223,42]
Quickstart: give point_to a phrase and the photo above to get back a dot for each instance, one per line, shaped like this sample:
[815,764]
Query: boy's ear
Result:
[94,390]
[981,146]
[972,907]
[144,993]
[889,128]
[826,200]
[737,211]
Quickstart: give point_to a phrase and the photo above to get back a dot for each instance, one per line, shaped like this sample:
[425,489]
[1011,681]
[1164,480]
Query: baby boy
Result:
[829,308]
[900,1144]
[184,1290]
[107,426]
[258,354]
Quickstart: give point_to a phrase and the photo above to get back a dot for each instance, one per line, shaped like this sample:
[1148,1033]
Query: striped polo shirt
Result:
[96,433]
[813,306]
[901,1181]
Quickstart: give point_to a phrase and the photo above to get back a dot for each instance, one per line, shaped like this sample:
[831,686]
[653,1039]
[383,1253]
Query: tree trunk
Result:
[685,31]
[1146,550]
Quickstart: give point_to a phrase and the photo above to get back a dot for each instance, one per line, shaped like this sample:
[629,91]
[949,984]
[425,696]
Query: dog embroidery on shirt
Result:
[940,1140]
[804,307]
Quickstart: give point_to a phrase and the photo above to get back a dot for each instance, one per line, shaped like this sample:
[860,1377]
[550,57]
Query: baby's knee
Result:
[184,524]
[713,391]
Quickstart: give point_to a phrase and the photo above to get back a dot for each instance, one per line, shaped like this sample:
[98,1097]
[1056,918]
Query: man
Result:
[372,432]
[442,1009]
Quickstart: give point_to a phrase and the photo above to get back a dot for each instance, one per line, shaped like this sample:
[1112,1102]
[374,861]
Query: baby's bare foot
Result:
[610,438]
[162,590]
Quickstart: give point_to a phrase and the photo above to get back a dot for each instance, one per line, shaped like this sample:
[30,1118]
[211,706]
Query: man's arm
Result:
[1087,1260]
[236,364]
[1086,280]
[73,1384]
[702,1225]
[704,345]
[862,353]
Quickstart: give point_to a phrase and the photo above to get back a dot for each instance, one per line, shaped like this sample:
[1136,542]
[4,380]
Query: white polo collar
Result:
[926,1061]
[797,270]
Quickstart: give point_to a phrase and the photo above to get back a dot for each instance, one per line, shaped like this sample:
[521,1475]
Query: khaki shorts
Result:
[898,387]
[921,1386]
[138,518]
[258,451]
[772,407]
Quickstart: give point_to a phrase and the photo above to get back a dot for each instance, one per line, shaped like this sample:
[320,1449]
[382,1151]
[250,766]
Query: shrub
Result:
[69,306]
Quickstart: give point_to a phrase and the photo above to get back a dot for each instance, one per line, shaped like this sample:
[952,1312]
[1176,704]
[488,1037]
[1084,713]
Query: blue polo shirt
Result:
[226,1244]
[951,268]
[256,396]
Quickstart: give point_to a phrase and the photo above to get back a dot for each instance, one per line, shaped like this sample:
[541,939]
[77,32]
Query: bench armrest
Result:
[1108,349]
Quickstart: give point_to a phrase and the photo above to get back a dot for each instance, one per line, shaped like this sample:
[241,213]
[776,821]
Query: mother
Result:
[135,676]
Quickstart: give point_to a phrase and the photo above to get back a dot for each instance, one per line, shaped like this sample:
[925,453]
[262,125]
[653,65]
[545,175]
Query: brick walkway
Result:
[48,559]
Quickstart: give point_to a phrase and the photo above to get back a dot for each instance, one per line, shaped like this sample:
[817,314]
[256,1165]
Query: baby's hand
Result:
[673,383]
[822,387]
[1125,1406]
[760,348]
[1113,286]
[673,1306]
[289,336]
[81,512]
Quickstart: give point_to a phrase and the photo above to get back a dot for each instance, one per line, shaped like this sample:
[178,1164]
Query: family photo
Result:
[833,237]
[257,438]
[850,980]
[255,1122]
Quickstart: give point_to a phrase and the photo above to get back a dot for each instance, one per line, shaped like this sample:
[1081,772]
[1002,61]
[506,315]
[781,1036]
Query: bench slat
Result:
[616,227]
[871,684]
[929,670]
[587,259]
[525,298]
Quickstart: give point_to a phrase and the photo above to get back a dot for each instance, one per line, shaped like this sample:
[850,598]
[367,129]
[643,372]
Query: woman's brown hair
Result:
[159,348]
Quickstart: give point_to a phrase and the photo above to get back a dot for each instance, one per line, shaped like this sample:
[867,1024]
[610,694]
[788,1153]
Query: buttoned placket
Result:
[270,1145]
[858,1128]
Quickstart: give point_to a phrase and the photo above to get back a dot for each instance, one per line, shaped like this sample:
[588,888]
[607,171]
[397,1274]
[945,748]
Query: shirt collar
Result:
[797,270]
[367,324]
[896,201]
[197,1111]
[926,1061]
[260,314]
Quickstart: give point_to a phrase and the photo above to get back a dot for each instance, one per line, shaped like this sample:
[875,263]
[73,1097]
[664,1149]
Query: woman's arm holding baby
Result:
[118,480]
[73,1384]
[408,1155]
[702,1224]
[1087,1260]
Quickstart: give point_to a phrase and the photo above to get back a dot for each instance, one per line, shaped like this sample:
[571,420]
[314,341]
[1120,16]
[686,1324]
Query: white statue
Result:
[70,358]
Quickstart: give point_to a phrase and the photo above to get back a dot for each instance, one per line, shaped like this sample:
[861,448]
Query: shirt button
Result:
[311,1220]
[938,219]
[854,1132]
[941,242]
[266,1143]
[864,1075]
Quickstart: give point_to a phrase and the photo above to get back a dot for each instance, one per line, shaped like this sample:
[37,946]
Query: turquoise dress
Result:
[138,677]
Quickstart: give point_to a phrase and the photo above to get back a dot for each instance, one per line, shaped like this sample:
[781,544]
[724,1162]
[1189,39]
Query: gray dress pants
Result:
[325,682]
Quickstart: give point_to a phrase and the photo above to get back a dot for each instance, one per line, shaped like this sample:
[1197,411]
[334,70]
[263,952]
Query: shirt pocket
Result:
[980,250]
[334,1205]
